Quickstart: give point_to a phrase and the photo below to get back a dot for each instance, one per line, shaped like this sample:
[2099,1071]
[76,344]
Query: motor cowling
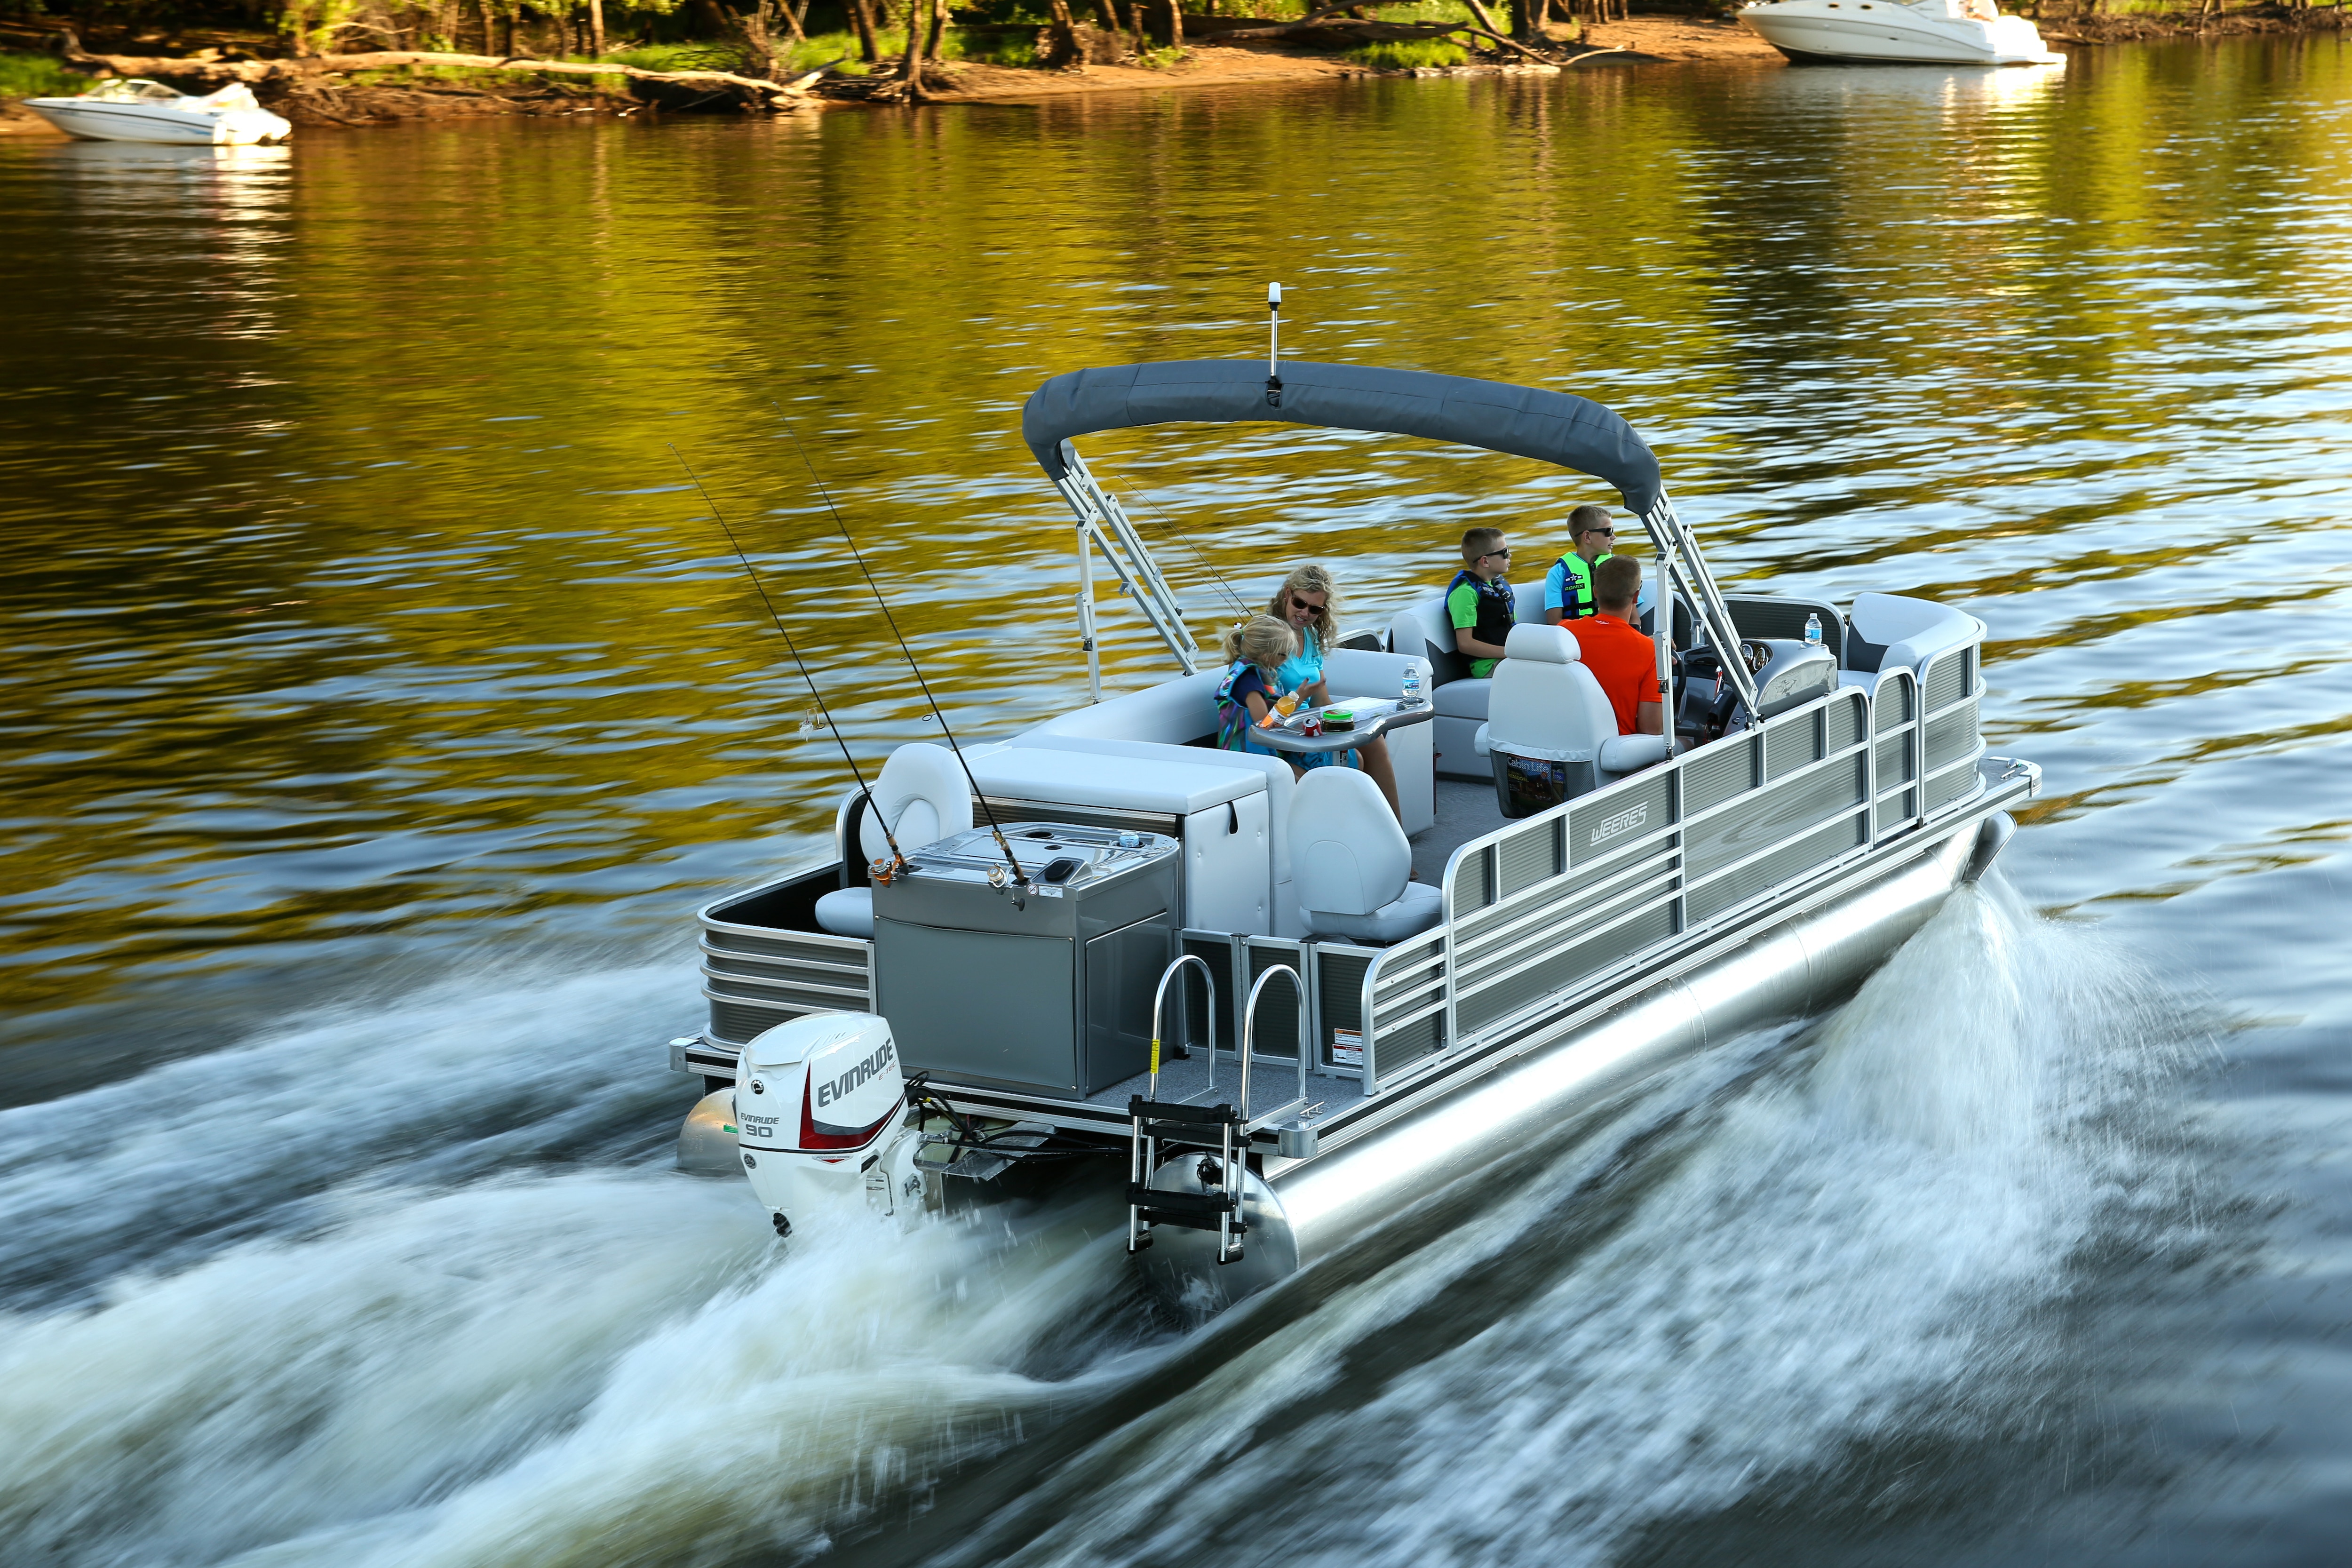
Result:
[817,1103]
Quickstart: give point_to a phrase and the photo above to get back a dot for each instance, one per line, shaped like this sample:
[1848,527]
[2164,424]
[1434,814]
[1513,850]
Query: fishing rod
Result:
[1020,877]
[897,859]
[1186,541]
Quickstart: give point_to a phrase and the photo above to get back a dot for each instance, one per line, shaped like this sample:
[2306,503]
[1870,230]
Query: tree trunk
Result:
[798,17]
[861,21]
[1109,16]
[1523,21]
[1484,17]
[910,64]
[596,29]
[1135,20]
[938,31]
[1175,23]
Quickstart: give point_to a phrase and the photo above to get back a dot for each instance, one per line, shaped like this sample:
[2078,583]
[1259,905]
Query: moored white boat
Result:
[1087,938]
[1883,32]
[137,110]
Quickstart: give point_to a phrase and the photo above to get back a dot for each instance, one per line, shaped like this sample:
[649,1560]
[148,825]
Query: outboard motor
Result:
[821,1119]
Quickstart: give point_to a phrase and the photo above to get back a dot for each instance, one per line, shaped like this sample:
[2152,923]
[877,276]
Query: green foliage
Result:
[38,76]
[1405,54]
[681,57]
[1430,11]
[1160,59]
[311,26]
[992,48]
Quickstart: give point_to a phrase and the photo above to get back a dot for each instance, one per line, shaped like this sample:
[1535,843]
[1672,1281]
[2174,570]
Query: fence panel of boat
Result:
[1548,911]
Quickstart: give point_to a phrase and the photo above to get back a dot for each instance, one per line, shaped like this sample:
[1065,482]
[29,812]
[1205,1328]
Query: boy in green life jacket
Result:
[1479,600]
[1568,586]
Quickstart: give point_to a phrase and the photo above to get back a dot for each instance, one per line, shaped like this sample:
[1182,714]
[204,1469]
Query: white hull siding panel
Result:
[1878,32]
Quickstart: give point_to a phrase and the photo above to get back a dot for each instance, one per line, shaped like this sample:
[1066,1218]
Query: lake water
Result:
[382,703]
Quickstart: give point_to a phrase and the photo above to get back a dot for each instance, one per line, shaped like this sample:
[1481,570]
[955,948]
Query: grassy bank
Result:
[37,76]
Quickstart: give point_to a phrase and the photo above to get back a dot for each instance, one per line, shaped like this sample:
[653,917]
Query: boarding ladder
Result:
[1185,1125]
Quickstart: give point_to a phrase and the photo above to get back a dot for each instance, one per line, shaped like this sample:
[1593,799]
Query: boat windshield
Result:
[133,90]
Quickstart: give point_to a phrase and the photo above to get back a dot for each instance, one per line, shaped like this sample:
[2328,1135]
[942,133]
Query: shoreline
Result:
[326,99]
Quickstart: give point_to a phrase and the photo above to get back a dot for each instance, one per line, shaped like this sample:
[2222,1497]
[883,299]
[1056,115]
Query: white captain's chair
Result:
[922,793]
[1546,706]
[1350,863]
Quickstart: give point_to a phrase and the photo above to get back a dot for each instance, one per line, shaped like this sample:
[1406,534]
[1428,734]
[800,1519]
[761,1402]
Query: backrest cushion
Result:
[922,795]
[1914,630]
[1348,855]
[1544,645]
[1555,712]
[1424,629]
[1175,713]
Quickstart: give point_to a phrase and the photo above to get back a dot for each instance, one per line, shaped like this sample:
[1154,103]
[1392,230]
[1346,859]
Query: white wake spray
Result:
[325,1298]
[1808,1250]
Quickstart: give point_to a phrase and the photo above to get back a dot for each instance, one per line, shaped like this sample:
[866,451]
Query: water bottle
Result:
[1413,686]
[1812,631]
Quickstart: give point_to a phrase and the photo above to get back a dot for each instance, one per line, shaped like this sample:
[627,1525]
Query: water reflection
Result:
[363,636]
[366,602]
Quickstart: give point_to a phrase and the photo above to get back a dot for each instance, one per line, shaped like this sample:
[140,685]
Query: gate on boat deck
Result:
[1625,870]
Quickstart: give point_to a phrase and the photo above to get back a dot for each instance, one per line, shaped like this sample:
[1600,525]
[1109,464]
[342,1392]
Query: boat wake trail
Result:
[593,1368]
[1814,1273]
[493,1073]
[414,1324]
[332,1299]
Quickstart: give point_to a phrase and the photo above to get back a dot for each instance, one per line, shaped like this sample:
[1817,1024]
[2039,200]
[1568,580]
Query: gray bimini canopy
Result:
[1527,422]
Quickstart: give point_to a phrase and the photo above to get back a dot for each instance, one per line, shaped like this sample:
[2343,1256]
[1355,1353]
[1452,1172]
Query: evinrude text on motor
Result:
[1191,959]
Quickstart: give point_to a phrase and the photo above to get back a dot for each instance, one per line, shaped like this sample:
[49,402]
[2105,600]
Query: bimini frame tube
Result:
[1679,548]
[1103,524]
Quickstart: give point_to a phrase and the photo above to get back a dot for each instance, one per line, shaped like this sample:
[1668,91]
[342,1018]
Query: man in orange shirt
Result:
[1623,660]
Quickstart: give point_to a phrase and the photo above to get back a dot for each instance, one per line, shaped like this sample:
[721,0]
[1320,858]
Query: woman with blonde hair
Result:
[1307,602]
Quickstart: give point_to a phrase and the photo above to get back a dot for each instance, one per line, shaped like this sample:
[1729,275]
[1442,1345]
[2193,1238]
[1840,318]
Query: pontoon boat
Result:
[1226,977]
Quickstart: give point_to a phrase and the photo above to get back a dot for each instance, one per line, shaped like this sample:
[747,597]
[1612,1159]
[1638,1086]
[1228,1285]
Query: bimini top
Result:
[1551,426]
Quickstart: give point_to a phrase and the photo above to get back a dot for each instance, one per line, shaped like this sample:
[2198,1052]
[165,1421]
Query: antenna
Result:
[1274,345]
[1020,877]
[897,859]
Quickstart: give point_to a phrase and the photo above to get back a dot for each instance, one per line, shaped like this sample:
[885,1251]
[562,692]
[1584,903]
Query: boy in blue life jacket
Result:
[1479,600]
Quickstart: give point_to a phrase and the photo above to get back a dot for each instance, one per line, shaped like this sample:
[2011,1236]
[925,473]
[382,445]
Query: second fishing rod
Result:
[1020,877]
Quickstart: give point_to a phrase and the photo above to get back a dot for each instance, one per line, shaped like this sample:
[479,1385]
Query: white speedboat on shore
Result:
[137,110]
[1880,32]
[1087,937]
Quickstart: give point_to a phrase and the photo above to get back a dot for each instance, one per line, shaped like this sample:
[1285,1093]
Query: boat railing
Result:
[1697,842]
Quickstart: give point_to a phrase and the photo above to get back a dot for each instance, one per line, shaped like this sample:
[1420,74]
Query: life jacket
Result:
[1496,614]
[1576,584]
[1233,721]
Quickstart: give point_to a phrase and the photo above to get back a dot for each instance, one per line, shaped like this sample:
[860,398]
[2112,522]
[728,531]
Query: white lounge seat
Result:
[1893,630]
[1547,707]
[1351,864]
[922,793]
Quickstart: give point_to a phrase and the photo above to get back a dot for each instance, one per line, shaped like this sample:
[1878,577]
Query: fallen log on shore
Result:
[757,91]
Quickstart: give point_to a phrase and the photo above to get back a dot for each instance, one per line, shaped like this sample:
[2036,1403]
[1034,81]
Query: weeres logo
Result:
[1623,823]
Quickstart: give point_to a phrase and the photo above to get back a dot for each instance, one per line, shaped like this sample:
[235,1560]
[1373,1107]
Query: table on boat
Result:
[1375,716]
